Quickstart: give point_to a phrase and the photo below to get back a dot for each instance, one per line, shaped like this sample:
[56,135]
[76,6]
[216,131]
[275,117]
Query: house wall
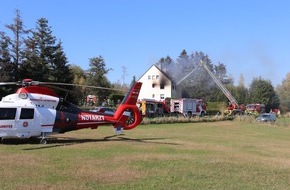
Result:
[156,85]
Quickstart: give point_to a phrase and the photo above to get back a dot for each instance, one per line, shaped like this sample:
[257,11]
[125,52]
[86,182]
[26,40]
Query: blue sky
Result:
[251,37]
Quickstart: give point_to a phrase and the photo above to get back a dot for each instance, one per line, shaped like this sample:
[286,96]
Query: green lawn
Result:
[238,154]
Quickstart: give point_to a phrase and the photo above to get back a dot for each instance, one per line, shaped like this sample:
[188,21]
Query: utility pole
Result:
[124,73]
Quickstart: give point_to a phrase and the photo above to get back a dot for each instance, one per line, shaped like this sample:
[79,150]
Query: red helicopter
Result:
[35,110]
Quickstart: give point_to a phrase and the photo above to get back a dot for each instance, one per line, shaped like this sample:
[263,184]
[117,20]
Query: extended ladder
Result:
[220,85]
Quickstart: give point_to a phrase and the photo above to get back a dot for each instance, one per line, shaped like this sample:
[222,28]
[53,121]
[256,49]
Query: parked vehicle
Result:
[255,109]
[152,108]
[267,117]
[188,107]
[91,100]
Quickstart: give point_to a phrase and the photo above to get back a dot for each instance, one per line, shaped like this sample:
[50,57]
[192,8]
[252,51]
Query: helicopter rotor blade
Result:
[8,83]
[80,85]
[59,88]
[28,82]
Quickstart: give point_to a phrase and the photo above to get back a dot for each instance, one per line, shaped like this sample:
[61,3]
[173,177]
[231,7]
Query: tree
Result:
[79,78]
[241,91]
[6,67]
[199,84]
[97,77]
[32,66]
[241,81]
[185,65]
[167,65]
[60,66]
[79,75]
[283,92]
[15,45]
[45,59]
[262,91]
[220,71]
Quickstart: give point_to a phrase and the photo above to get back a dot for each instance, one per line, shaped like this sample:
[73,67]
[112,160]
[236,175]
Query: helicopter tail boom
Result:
[128,115]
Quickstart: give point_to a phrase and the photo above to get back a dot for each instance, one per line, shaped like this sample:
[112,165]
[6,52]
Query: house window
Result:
[153,77]
[157,77]
[161,86]
[153,85]
[161,96]
[149,77]
[153,95]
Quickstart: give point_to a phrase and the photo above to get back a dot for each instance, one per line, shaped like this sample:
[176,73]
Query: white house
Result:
[157,85]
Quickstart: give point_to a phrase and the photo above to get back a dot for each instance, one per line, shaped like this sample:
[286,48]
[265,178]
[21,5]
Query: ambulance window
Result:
[27,113]
[7,113]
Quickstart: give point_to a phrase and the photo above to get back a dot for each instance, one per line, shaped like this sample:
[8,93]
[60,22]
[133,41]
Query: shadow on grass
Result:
[64,141]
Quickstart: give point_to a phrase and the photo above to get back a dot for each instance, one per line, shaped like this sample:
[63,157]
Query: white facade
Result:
[157,85]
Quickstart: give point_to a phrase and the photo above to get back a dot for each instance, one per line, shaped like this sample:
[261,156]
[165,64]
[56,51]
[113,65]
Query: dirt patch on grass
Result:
[106,171]
[9,163]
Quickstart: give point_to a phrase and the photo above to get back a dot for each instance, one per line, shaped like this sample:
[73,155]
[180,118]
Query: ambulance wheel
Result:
[43,141]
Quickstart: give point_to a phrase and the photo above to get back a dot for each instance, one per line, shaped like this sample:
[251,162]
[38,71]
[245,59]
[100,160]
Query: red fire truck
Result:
[188,107]
[255,109]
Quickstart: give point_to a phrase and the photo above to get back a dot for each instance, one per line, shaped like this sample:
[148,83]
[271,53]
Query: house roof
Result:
[164,73]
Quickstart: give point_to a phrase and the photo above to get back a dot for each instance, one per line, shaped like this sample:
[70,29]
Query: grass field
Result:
[239,154]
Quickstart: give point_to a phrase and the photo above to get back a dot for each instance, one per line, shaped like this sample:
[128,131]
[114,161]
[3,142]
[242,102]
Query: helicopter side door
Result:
[34,121]
[25,123]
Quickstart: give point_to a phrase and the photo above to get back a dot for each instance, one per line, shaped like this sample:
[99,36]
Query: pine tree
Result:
[241,91]
[262,91]
[32,66]
[15,46]
[6,66]
[283,92]
[97,77]
[60,67]
[45,59]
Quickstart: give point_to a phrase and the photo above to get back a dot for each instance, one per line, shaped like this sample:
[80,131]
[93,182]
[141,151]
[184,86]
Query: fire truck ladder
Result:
[220,85]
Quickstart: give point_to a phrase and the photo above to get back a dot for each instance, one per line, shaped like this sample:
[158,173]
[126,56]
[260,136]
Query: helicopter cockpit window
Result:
[27,113]
[7,113]
[67,107]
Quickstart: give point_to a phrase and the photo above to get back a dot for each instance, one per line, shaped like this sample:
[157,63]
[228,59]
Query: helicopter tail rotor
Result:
[128,115]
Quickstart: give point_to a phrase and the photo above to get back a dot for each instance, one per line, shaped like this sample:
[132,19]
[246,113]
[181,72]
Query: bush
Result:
[166,120]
